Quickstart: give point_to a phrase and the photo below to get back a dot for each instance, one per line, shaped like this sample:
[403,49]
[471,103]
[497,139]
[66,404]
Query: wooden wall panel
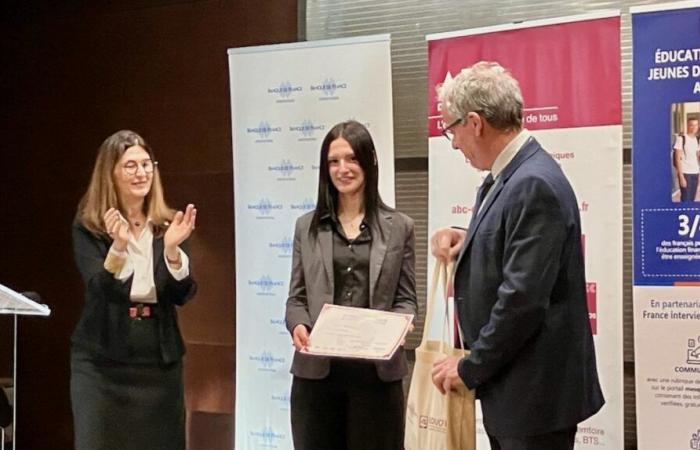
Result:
[73,73]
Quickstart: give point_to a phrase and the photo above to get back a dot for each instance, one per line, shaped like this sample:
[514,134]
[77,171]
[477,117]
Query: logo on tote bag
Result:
[433,423]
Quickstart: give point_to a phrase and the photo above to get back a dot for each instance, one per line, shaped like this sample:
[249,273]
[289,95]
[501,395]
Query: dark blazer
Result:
[103,324]
[520,292]
[392,284]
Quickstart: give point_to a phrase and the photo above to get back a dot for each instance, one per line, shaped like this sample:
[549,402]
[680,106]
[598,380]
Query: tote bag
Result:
[435,421]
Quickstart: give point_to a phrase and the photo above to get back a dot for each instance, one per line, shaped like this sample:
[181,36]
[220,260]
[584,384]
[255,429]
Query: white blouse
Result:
[139,261]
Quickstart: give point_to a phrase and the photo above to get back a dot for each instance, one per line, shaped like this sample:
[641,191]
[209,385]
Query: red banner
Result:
[574,83]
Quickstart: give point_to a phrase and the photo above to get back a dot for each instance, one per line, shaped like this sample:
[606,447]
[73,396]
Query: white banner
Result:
[579,123]
[284,99]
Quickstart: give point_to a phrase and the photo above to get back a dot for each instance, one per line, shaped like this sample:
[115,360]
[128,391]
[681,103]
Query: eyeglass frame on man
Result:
[132,170]
[447,131]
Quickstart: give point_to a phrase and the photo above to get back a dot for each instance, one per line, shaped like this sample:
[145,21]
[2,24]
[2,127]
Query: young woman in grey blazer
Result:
[352,250]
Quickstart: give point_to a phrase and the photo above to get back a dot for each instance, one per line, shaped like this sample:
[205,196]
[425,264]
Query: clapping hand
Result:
[180,229]
[117,228]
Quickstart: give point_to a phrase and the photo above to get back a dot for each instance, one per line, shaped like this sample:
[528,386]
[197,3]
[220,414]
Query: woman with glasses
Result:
[126,355]
[355,251]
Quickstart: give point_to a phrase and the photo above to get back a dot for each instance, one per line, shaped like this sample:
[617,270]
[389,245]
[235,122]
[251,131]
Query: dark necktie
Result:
[483,190]
[480,196]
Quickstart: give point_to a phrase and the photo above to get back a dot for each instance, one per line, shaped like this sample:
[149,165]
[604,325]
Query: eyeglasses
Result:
[447,131]
[131,168]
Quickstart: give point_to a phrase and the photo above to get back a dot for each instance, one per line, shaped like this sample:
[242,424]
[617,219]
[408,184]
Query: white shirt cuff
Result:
[127,268]
[184,270]
[115,252]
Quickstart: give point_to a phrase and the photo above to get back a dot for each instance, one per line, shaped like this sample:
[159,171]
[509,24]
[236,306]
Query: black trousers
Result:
[557,440]
[351,409]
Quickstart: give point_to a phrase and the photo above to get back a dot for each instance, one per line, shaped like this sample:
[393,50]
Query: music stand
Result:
[15,304]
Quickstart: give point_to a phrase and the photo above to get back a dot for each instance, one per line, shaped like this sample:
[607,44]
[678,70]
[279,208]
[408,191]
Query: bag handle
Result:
[442,277]
[430,302]
[448,273]
[449,281]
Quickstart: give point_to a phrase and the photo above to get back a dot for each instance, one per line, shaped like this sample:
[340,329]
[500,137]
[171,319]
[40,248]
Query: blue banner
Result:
[666,99]
[665,146]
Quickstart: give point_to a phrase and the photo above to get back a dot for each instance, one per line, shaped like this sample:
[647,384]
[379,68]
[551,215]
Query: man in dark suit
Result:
[519,280]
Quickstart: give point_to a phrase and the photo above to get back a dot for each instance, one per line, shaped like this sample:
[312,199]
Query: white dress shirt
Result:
[504,158]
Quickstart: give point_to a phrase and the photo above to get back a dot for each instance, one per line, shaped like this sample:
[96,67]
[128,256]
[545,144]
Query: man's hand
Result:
[445,376]
[446,243]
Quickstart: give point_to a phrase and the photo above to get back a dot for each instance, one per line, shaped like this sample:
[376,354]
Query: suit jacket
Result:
[520,293]
[392,285]
[104,322]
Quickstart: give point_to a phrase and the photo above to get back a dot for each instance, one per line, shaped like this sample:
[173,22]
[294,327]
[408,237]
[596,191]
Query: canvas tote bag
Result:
[435,421]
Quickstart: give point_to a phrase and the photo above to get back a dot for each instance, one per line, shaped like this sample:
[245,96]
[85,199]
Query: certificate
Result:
[364,333]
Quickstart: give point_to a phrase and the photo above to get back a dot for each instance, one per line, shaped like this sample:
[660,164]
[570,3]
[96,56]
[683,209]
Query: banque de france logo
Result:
[268,436]
[264,207]
[307,129]
[284,90]
[284,398]
[329,87]
[265,284]
[267,361]
[306,205]
[284,246]
[279,325]
[286,168]
[264,130]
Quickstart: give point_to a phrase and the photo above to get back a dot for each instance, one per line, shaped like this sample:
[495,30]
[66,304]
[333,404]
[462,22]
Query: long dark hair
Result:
[362,145]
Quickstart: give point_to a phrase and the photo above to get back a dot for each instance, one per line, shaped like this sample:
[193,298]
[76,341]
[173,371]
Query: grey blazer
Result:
[392,284]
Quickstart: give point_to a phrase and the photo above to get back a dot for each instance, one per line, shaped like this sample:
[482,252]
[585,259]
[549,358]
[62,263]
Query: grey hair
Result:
[488,89]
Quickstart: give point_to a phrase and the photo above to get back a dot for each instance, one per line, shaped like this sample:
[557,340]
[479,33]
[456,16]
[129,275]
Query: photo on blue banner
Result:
[685,152]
